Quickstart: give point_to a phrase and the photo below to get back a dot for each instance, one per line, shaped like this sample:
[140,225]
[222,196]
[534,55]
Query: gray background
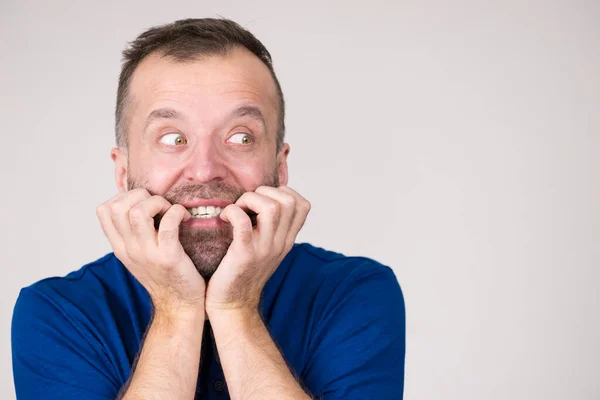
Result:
[456,141]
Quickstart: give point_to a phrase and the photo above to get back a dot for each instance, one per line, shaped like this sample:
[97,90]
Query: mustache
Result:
[215,190]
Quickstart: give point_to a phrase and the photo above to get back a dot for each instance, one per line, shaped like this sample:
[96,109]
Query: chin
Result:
[206,248]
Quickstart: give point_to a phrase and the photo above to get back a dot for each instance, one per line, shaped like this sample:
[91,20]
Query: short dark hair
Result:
[188,40]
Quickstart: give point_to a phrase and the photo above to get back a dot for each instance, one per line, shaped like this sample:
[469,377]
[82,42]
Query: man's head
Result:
[199,121]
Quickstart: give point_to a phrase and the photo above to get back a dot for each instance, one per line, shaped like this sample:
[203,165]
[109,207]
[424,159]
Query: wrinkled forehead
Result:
[208,86]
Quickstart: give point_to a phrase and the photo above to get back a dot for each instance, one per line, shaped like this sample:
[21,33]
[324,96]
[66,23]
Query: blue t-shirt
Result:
[339,322]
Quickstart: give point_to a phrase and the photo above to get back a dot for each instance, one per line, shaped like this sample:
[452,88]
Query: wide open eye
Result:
[241,138]
[173,139]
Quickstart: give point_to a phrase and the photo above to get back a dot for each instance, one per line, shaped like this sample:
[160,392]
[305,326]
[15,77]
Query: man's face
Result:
[201,134]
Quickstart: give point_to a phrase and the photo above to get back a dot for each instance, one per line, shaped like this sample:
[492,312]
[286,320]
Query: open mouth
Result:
[205,211]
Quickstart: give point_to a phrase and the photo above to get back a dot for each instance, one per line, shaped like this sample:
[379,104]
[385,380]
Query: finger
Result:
[141,218]
[268,213]
[168,231]
[120,211]
[114,238]
[303,207]
[105,213]
[287,209]
[242,225]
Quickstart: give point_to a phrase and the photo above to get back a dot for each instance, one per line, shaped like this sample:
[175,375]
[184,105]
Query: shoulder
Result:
[88,299]
[62,327]
[95,315]
[357,325]
[68,295]
[46,299]
[94,283]
[90,273]
[335,269]
[326,282]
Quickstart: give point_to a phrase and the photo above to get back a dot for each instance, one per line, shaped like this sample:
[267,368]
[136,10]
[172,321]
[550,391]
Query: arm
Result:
[163,370]
[252,363]
[253,366]
[168,364]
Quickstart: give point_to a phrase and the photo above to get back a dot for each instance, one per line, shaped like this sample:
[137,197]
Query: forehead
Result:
[209,85]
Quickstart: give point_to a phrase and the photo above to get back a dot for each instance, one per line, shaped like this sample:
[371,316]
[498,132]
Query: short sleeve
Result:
[358,346]
[53,355]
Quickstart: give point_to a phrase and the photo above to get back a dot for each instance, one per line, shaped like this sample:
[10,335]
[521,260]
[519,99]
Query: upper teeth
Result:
[205,211]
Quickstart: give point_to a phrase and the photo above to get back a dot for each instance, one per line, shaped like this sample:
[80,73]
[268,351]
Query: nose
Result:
[205,163]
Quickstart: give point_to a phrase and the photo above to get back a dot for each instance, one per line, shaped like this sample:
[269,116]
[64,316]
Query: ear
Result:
[119,156]
[282,167]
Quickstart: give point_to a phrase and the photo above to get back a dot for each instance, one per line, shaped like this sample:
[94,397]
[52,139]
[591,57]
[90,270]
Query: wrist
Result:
[179,315]
[234,319]
[237,312]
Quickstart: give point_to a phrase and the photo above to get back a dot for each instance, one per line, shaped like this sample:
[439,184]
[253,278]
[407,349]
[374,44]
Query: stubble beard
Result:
[206,247]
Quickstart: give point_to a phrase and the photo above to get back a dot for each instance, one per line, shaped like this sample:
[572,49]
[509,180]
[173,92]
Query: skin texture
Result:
[214,270]
[208,166]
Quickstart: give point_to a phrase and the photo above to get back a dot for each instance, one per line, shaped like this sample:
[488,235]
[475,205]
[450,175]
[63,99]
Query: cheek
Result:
[161,176]
[251,175]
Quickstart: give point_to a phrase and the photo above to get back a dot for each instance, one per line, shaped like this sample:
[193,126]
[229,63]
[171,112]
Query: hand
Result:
[155,258]
[255,253]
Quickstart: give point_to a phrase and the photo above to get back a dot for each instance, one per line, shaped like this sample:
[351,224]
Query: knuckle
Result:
[136,214]
[289,190]
[245,196]
[136,220]
[140,191]
[306,204]
[272,207]
[132,250]
[158,198]
[101,210]
[289,200]
[265,190]
[178,208]
[118,207]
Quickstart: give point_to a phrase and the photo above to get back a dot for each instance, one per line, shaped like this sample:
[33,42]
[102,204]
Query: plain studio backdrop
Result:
[456,141]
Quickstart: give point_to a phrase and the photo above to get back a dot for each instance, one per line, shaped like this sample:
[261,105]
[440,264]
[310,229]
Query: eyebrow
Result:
[249,111]
[170,113]
[162,113]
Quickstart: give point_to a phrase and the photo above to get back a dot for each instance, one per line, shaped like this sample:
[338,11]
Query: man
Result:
[206,294]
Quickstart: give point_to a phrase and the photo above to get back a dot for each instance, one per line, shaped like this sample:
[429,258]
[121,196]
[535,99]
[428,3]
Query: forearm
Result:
[167,367]
[253,366]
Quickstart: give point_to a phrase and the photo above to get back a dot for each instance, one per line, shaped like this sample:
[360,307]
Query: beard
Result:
[206,247]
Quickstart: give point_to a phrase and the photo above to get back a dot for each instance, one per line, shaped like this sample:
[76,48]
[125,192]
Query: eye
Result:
[173,139]
[241,138]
